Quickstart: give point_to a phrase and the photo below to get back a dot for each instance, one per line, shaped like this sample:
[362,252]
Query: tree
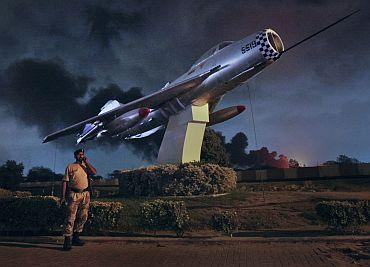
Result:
[344,160]
[11,174]
[293,163]
[97,177]
[213,148]
[40,174]
[330,162]
[262,158]
[282,162]
[236,149]
[114,175]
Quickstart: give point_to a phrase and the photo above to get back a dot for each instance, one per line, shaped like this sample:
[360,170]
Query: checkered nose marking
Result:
[266,48]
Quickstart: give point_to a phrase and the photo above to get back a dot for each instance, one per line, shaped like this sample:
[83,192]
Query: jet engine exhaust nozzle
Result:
[270,44]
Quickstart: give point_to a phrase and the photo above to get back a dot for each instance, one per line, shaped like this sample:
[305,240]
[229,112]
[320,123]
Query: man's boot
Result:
[67,243]
[76,241]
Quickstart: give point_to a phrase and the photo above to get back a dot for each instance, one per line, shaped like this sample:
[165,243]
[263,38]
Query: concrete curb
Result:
[187,240]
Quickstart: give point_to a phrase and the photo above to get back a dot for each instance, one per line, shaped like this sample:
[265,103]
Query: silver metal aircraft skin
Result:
[218,71]
[221,69]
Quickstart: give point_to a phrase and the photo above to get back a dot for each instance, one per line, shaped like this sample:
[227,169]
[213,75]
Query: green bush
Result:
[103,216]
[37,214]
[147,181]
[8,193]
[225,222]
[5,193]
[188,180]
[42,214]
[221,178]
[21,194]
[164,215]
[177,180]
[344,215]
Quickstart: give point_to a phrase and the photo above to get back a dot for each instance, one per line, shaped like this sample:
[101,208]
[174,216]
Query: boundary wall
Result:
[304,173]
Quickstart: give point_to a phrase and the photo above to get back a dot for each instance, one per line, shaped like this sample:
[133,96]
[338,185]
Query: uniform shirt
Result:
[76,176]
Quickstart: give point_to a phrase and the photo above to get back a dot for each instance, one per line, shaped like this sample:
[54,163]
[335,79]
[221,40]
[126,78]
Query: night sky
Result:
[59,59]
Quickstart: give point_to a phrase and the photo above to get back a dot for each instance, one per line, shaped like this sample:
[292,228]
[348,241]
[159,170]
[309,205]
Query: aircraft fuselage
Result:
[221,69]
[238,61]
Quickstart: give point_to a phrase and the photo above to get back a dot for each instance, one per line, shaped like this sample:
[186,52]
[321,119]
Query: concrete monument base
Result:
[183,139]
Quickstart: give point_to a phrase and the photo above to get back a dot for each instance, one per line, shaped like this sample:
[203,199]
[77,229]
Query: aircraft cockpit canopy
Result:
[214,50]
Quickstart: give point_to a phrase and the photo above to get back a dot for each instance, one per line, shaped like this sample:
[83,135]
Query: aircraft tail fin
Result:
[111,104]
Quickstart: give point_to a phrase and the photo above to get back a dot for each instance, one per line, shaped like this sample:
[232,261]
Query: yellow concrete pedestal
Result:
[183,139]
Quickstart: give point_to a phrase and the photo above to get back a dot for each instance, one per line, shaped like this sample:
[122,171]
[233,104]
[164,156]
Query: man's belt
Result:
[79,190]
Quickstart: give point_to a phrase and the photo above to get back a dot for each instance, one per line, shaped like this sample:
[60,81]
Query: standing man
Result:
[75,192]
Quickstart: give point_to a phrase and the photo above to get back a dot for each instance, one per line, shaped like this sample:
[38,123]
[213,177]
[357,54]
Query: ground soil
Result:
[284,206]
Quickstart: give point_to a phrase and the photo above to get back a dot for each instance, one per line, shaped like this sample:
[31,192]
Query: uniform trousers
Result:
[77,212]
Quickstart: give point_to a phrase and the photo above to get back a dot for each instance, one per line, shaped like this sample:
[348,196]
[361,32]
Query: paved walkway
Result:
[46,251]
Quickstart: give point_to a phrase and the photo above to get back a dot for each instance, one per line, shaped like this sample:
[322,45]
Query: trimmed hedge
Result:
[42,214]
[103,216]
[225,222]
[164,215]
[177,180]
[344,215]
[7,193]
[37,214]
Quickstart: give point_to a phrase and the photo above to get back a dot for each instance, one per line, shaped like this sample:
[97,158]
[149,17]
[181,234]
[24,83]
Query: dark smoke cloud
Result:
[147,43]
[44,94]
[112,91]
[106,25]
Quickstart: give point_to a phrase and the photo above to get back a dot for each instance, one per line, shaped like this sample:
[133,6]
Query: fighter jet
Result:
[218,71]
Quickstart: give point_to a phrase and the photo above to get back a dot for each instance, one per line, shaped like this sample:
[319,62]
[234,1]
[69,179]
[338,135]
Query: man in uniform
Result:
[75,192]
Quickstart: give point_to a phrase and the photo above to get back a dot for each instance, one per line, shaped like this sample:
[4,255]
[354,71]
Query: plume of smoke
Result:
[44,94]
[106,25]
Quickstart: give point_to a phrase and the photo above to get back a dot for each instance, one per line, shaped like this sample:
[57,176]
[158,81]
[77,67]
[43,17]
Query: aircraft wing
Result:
[151,101]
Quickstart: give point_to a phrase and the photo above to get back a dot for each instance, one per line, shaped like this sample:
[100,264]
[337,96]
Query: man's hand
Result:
[86,160]
[90,168]
[63,201]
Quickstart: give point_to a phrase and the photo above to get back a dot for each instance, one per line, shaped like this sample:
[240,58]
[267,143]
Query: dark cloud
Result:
[44,94]
[147,43]
[106,25]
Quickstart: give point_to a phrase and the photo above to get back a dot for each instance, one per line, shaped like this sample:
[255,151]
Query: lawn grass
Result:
[272,206]
[229,199]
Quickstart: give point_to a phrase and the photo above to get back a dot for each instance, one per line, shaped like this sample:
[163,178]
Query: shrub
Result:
[42,214]
[225,222]
[21,194]
[344,215]
[220,178]
[38,214]
[103,216]
[164,215]
[5,193]
[177,180]
[147,181]
[188,180]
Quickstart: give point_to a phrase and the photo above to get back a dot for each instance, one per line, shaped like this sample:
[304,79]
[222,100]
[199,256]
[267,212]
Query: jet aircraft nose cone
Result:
[240,108]
[143,112]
